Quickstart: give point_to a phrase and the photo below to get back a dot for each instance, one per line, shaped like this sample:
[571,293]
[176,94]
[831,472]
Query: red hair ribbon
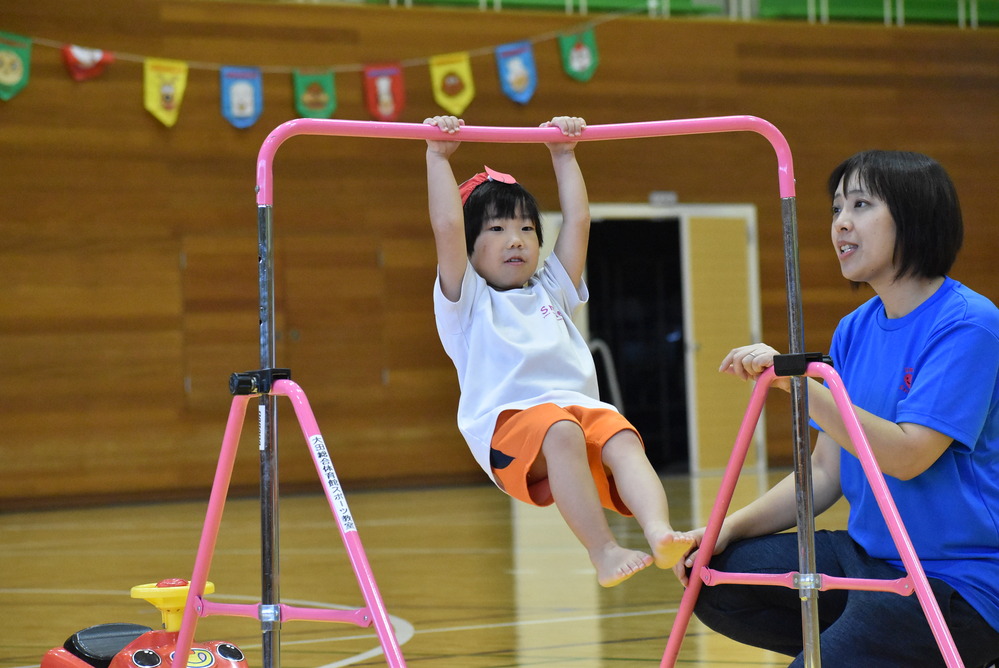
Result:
[466,188]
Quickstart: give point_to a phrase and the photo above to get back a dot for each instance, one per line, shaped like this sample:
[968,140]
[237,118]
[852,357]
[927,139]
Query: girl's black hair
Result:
[922,201]
[493,200]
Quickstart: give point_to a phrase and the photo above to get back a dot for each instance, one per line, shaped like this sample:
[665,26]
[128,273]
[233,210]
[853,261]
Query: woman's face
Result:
[863,234]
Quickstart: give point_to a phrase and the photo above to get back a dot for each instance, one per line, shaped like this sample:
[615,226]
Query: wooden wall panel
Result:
[129,249]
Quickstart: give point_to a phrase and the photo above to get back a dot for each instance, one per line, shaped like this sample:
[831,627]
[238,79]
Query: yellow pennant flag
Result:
[451,77]
[164,83]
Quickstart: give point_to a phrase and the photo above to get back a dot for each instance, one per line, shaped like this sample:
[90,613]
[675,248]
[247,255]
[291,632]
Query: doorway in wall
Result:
[672,289]
[636,308]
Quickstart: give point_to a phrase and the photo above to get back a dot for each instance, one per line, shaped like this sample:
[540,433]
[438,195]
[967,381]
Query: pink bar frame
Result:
[197,606]
[915,580]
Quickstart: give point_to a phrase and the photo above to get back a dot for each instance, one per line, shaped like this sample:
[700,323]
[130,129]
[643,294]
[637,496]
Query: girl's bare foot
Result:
[669,547]
[616,564]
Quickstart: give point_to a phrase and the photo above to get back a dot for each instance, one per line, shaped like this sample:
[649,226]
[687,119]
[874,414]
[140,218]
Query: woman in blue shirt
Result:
[920,361]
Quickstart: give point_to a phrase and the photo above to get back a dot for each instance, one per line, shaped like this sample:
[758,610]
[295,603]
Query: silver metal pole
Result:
[807,584]
[270,617]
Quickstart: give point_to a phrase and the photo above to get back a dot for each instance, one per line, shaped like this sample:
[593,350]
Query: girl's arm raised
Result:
[446,217]
[570,248]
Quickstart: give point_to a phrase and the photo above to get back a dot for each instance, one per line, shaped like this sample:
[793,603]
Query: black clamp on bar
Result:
[256,382]
[797,364]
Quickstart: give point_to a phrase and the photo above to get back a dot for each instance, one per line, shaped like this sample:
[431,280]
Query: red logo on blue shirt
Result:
[906,380]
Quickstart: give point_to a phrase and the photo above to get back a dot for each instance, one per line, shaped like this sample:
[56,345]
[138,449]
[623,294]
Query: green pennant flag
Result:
[315,94]
[579,54]
[15,64]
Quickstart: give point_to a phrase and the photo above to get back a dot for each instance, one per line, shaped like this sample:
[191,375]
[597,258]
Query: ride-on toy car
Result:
[122,645]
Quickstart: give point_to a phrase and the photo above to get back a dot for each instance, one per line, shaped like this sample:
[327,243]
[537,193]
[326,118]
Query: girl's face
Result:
[506,252]
[863,234]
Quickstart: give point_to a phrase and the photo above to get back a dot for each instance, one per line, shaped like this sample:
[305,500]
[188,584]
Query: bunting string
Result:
[241,98]
[359,67]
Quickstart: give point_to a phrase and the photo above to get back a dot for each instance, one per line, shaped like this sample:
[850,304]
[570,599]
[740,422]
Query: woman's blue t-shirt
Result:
[938,367]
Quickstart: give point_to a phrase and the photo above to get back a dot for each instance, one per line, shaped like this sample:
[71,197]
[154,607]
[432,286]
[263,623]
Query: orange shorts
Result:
[517,442]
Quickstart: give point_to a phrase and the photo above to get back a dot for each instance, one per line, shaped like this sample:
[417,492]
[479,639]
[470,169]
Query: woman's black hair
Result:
[922,201]
[493,200]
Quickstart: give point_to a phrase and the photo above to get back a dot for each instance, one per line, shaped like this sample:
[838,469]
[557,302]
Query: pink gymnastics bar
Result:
[412,131]
[916,579]
[513,135]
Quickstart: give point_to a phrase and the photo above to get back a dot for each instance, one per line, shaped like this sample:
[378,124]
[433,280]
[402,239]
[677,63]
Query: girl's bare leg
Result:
[642,491]
[563,461]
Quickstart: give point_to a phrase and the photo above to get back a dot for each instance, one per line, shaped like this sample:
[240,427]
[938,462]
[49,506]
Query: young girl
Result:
[529,408]
[920,361]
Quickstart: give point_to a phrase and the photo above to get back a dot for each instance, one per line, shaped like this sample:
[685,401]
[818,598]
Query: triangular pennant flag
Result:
[517,73]
[315,94]
[579,54]
[83,63]
[384,91]
[451,78]
[242,95]
[15,64]
[164,82]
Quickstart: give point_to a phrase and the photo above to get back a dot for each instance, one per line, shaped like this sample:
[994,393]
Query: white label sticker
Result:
[261,418]
[328,476]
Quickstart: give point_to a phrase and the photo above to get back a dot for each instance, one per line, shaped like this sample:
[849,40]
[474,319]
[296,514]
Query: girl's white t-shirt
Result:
[514,349]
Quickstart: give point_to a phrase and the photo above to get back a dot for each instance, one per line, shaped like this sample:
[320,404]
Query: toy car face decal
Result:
[230,652]
[146,658]
[200,658]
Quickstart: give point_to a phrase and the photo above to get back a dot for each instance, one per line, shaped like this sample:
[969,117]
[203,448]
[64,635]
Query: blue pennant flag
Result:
[242,95]
[517,73]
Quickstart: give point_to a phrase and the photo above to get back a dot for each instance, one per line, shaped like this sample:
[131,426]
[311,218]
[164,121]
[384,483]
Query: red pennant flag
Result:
[84,63]
[384,91]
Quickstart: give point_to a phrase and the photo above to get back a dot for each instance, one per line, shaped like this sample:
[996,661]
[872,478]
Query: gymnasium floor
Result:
[470,579]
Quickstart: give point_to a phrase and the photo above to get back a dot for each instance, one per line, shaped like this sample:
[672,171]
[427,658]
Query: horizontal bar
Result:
[472,133]
[208,608]
[901,586]
[359,617]
[711,578]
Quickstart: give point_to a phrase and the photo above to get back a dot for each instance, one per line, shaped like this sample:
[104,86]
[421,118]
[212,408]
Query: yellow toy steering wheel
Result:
[169,597]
